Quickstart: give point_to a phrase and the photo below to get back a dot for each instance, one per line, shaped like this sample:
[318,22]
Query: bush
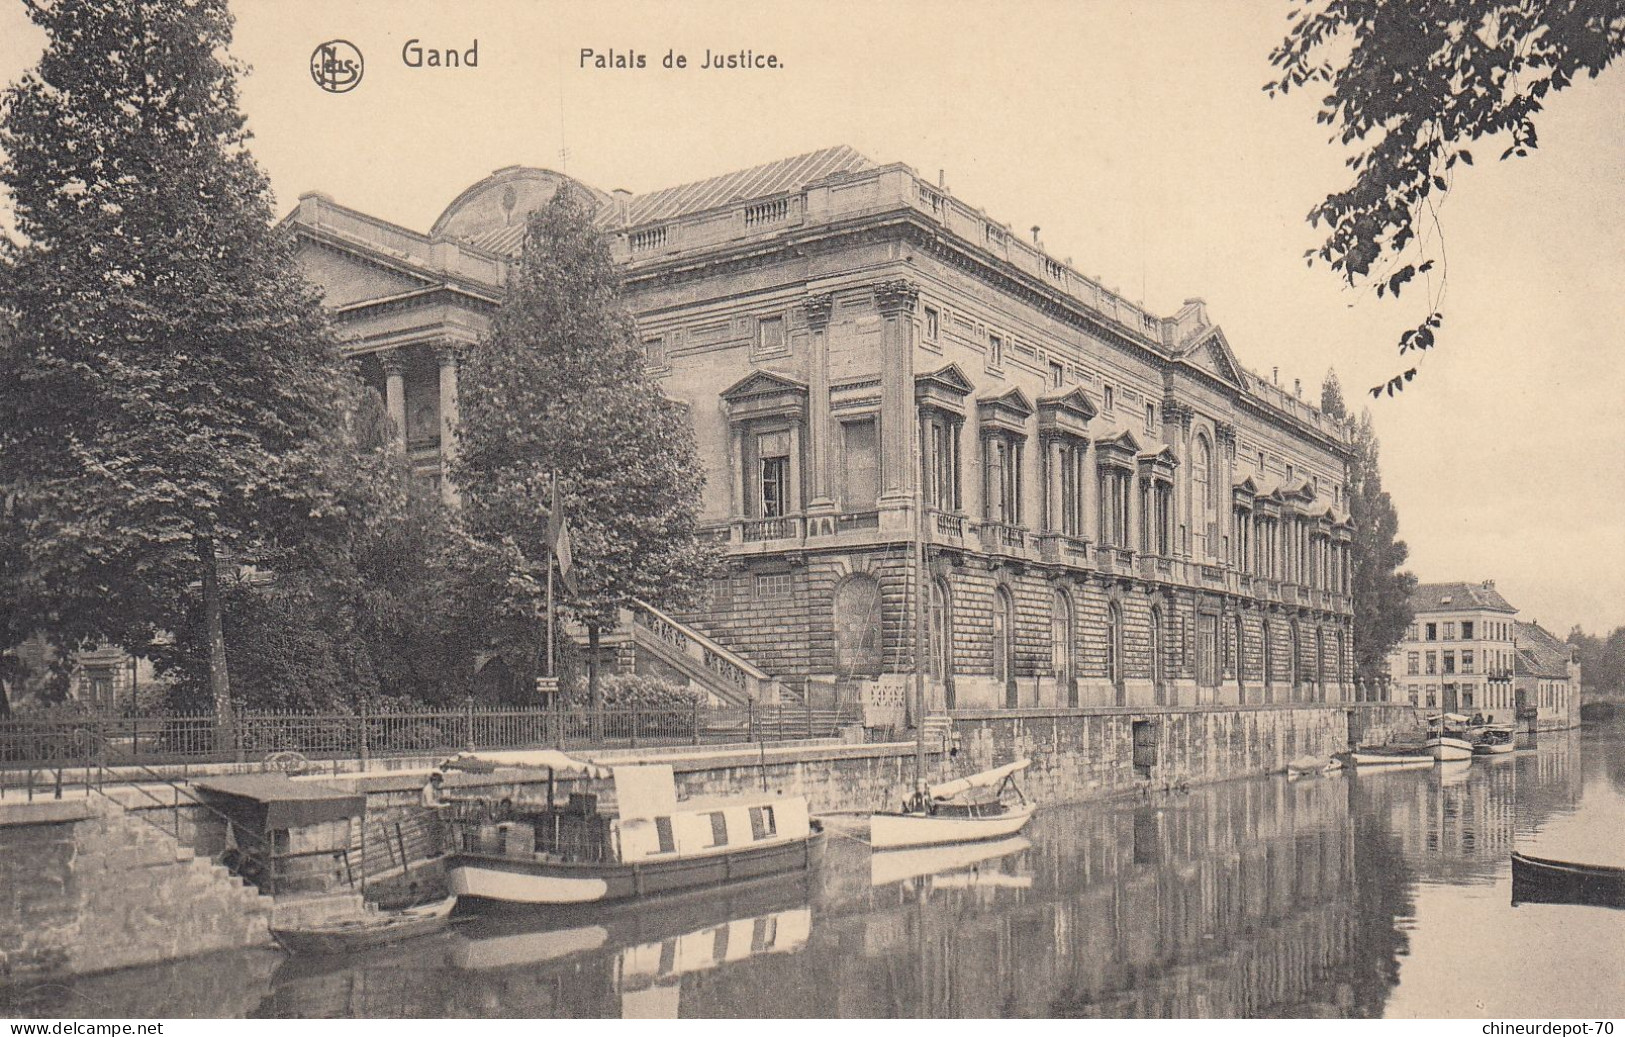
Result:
[634,691]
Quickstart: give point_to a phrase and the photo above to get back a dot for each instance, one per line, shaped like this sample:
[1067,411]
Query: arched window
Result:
[858,648]
[1114,650]
[1296,660]
[1238,661]
[1004,645]
[1157,670]
[1202,474]
[1320,664]
[1060,640]
[1342,673]
[942,632]
[1269,662]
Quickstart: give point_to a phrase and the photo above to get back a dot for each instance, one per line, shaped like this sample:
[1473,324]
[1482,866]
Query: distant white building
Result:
[1466,652]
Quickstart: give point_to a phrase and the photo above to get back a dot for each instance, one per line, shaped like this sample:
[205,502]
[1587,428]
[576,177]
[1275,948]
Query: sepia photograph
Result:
[531,509]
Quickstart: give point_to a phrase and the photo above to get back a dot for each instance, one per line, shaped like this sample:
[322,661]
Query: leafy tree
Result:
[558,387]
[1382,591]
[1331,397]
[1409,84]
[1601,659]
[171,375]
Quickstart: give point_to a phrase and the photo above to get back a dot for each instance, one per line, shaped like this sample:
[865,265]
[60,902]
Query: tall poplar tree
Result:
[559,387]
[172,375]
[1382,591]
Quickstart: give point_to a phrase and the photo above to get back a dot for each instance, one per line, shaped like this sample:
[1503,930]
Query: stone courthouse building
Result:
[1112,509]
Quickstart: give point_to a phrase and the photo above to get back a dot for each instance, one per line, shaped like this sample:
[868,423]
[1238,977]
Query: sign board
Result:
[547,687]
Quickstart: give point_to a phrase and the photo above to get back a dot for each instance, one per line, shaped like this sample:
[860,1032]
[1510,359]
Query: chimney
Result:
[942,178]
[1035,234]
[1489,585]
[1297,387]
[1275,376]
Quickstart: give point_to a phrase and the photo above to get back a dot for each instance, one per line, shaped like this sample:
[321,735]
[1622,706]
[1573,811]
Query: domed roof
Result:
[491,214]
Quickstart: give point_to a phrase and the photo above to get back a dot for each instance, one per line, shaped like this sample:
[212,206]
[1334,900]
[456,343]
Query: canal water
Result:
[1356,895]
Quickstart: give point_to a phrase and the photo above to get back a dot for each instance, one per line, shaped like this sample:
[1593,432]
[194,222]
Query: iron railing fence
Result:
[55,744]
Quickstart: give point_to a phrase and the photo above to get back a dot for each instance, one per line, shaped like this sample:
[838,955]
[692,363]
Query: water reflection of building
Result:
[1461,823]
[1234,901]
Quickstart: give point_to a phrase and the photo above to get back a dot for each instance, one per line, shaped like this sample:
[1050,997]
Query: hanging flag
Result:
[558,537]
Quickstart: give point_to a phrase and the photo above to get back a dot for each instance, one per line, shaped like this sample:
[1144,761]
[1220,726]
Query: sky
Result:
[1137,135]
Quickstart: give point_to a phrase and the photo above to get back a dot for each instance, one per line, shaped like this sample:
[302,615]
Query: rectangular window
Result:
[1415,695]
[770,338]
[1412,663]
[1411,632]
[1467,695]
[1260,463]
[933,324]
[1057,375]
[1467,662]
[770,488]
[1433,662]
[719,829]
[1450,631]
[860,465]
[663,834]
[774,585]
[654,351]
[762,824]
[1001,487]
[1108,398]
[1433,697]
[1150,417]
[1450,662]
[1433,631]
[1466,630]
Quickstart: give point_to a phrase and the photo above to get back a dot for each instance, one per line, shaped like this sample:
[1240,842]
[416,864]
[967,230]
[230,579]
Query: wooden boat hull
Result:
[352,935]
[1539,880]
[891,830]
[1392,761]
[1445,748]
[1493,748]
[492,879]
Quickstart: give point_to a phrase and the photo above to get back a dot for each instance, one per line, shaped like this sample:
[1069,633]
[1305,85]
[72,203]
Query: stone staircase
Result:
[143,897]
[705,663]
[938,733]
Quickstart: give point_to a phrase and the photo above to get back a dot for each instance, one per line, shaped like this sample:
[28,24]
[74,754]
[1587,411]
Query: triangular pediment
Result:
[762,383]
[1248,486]
[1211,352]
[951,379]
[1013,401]
[1075,402]
[1161,456]
[1124,443]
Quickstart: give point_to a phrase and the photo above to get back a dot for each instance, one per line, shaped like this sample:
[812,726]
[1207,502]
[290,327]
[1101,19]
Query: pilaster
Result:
[895,301]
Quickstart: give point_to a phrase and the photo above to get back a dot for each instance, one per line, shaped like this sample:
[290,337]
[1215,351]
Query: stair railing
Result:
[247,854]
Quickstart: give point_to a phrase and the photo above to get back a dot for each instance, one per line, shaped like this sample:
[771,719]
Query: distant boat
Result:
[1312,765]
[1392,757]
[1539,880]
[1447,737]
[889,866]
[375,929]
[1493,741]
[964,810]
[648,843]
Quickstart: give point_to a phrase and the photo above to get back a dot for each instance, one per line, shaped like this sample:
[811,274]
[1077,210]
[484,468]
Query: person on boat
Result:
[434,797]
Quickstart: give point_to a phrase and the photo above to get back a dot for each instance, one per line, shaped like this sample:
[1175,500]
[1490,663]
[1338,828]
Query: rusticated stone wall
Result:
[85,887]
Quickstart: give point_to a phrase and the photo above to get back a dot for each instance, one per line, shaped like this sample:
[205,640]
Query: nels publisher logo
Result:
[336,66]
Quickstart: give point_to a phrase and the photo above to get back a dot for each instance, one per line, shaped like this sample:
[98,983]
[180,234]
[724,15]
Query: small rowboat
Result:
[965,810]
[346,935]
[1391,757]
[1538,880]
[1312,765]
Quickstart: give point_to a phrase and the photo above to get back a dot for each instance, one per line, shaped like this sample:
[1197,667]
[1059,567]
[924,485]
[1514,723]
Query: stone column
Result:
[797,502]
[394,364]
[1088,479]
[895,301]
[1224,435]
[448,354]
[819,454]
[736,472]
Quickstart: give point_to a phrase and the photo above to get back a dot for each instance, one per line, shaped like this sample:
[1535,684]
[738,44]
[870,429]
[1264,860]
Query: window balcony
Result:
[945,526]
[1063,549]
[1003,538]
[782,527]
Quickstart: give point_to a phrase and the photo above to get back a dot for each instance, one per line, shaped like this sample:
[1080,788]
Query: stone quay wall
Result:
[85,887]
